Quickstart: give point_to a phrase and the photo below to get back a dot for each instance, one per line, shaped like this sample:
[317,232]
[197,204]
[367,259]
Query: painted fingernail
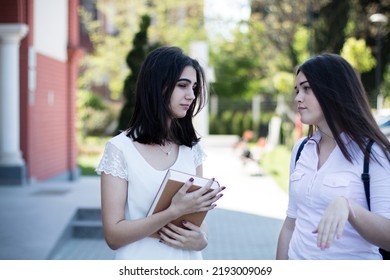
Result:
[223,188]
[191,179]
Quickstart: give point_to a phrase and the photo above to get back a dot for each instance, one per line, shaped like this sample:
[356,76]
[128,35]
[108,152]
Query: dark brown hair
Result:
[343,100]
[156,81]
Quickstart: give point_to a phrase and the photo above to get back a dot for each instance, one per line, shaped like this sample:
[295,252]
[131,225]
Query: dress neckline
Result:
[147,163]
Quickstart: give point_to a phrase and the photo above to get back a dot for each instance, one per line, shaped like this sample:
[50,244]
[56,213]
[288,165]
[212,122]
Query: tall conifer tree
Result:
[134,61]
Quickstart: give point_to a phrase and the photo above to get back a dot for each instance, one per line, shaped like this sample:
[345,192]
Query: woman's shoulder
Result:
[120,139]
[381,156]
[299,144]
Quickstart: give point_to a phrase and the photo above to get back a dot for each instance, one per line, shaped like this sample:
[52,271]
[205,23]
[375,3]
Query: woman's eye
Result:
[182,85]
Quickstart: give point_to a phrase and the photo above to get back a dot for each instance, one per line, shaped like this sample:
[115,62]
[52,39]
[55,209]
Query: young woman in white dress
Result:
[170,90]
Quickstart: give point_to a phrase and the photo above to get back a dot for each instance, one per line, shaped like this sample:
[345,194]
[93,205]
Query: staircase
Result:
[87,223]
[83,238]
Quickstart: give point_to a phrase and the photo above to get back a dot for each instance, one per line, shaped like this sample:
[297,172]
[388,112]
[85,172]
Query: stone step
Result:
[88,214]
[87,223]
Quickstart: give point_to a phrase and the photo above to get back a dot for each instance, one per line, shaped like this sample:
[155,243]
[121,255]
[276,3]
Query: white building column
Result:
[12,165]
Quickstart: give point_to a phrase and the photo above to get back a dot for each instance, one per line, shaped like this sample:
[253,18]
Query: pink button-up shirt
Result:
[311,190]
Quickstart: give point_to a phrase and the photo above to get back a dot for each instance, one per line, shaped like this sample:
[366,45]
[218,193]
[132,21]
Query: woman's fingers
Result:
[332,223]
[202,199]
[187,185]
[191,237]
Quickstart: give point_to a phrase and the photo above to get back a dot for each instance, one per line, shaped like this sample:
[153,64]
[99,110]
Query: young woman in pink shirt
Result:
[328,215]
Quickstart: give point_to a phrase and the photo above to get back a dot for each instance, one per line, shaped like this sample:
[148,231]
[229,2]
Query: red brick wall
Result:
[48,120]
[28,16]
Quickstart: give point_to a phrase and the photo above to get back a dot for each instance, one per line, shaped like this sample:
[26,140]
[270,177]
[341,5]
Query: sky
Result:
[222,15]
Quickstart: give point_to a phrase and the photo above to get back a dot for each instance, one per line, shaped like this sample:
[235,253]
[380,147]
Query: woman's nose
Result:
[190,94]
[298,97]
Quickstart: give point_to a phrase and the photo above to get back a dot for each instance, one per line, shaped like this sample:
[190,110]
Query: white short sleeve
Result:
[199,155]
[113,162]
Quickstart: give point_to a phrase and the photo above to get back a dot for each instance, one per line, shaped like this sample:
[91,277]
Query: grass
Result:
[87,164]
[90,150]
[276,163]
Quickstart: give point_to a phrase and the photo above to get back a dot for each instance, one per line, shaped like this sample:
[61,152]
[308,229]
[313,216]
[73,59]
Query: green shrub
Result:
[276,163]
[213,127]
[247,122]
[237,123]
[226,122]
[94,115]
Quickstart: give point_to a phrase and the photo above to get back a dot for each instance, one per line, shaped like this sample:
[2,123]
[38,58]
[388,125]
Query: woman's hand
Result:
[202,199]
[332,222]
[192,238]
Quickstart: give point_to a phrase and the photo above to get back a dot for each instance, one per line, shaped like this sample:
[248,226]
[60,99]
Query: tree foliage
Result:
[339,20]
[174,22]
[358,54]
[327,25]
[260,58]
[238,68]
[330,25]
[134,61]
[278,36]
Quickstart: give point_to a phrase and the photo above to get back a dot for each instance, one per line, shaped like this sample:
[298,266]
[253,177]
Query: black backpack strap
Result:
[365,175]
[300,149]
[366,181]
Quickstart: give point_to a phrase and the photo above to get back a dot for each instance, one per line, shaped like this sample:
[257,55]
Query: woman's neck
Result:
[326,134]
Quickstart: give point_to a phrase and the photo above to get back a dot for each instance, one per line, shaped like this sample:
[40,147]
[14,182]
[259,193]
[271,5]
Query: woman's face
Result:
[183,94]
[308,106]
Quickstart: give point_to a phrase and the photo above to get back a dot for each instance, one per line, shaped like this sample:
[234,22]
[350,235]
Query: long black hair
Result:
[343,100]
[156,81]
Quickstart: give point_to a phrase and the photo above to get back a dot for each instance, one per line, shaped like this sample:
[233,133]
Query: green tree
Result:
[175,22]
[386,87]
[94,115]
[134,61]
[330,26]
[339,20]
[105,66]
[239,70]
[283,19]
[300,44]
[329,23]
[358,54]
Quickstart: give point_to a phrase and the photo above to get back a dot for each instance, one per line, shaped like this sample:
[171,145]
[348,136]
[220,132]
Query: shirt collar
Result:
[316,137]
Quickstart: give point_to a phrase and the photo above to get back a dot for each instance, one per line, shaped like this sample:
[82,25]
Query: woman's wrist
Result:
[173,213]
[350,208]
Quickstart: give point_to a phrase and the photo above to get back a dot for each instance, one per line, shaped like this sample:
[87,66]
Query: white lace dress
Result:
[122,159]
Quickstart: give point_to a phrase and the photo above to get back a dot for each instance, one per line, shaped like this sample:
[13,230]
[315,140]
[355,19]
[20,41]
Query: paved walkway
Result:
[245,225]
